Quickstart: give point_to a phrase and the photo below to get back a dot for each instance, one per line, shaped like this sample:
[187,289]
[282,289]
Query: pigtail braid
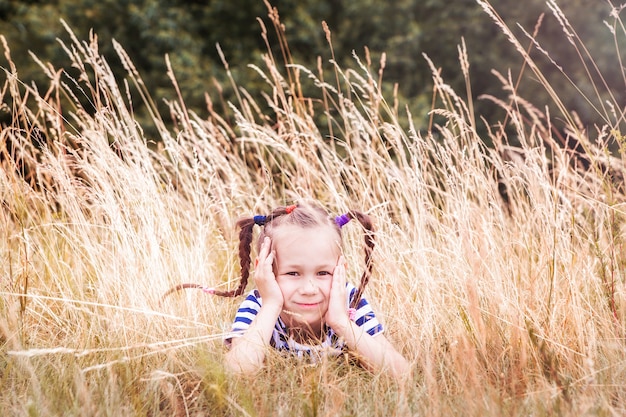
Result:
[245,242]
[246,226]
[366,222]
[245,247]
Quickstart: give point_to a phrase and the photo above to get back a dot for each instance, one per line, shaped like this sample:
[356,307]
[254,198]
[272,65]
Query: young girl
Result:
[302,303]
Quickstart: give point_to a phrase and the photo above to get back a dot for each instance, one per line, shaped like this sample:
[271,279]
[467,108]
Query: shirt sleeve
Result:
[365,316]
[246,313]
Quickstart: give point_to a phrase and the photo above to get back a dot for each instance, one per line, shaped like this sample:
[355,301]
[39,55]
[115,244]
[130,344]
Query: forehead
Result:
[294,236]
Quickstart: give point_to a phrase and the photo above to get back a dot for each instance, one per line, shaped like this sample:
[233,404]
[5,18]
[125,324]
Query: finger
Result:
[341,261]
[340,269]
[338,296]
[338,284]
[265,247]
[265,270]
[263,252]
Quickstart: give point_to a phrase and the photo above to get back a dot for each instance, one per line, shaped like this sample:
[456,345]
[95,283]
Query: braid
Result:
[366,222]
[245,245]
[246,226]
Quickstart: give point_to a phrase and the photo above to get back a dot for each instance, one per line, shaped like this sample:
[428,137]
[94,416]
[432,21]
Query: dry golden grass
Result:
[500,272]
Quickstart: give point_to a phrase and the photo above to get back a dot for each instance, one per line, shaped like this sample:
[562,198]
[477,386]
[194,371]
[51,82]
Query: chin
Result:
[308,320]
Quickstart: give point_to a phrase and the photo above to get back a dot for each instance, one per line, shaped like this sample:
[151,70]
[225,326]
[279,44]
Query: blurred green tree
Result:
[188,31]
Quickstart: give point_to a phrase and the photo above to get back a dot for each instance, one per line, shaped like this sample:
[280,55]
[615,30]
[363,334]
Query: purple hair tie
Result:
[342,220]
[260,220]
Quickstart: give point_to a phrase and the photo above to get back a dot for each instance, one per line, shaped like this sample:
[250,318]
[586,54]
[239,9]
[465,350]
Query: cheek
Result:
[286,287]
[325,286]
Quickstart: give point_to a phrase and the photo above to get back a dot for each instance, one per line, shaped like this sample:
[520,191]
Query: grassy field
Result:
[499,272]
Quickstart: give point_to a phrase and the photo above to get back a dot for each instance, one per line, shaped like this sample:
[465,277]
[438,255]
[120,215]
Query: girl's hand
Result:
[337,314]
[264,277]
[247,353]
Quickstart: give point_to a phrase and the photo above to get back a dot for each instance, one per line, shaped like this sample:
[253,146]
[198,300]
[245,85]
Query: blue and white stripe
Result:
[332,344]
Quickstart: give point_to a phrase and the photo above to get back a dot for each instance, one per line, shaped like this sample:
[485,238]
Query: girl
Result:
[302,303]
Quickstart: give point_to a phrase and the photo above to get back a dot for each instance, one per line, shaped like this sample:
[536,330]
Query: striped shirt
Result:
[332,343]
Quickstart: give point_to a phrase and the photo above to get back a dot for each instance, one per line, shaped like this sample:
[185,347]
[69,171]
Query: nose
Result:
[309,286]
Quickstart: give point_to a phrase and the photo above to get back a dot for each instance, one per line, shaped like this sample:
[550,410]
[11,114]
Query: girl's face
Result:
[305,261]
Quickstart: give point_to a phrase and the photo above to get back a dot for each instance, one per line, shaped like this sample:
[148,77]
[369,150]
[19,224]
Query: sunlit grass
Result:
[499,272]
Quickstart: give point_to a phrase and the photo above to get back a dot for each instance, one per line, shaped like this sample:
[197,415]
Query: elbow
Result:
[401,369]
[239,364]
[239,368]
[398,366]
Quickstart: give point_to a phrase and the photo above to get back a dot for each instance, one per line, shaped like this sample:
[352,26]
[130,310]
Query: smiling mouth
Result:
[308,305]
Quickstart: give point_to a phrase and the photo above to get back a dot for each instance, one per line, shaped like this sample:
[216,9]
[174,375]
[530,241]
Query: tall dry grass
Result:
[499,271]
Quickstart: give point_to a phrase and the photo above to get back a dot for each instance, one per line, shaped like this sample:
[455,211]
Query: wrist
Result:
[341,324]
[272,307]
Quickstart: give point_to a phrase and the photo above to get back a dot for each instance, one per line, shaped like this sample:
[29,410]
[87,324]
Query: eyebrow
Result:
[300,266]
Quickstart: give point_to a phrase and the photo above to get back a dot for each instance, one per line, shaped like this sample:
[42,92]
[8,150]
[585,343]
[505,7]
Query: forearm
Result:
[374,352]
[247,352]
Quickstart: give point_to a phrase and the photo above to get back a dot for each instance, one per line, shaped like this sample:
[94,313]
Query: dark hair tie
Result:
[260,220]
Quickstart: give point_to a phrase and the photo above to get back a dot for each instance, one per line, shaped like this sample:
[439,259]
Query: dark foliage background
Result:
[188,31]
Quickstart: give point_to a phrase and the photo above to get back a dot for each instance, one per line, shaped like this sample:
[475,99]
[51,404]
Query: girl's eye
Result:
[323,273]
[292,273]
